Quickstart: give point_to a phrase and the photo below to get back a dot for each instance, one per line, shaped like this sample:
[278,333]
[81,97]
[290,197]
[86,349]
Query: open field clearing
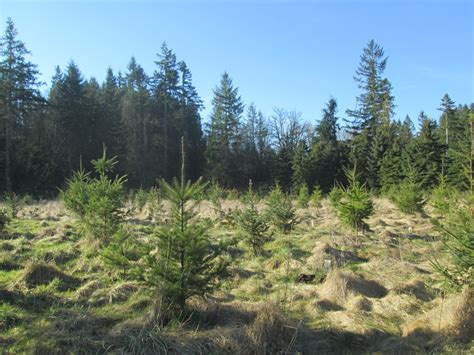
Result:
[379,294]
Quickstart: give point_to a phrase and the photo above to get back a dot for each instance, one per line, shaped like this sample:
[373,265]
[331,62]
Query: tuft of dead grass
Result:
[326,305]
[325,251]
[116,294]
[36,273]
[416,289]
[269,331]
[360,304]
[86,290]
[340,285]
[452,317]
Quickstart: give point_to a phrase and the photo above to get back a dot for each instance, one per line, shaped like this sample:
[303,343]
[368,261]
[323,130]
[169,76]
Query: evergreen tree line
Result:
[140,118]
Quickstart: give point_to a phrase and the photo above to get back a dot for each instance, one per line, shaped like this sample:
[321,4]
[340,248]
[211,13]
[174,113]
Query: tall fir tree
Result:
[136,121]
[165,82]
[110,101]
[224,136]
[73,110]
[426,153]
[397,154]
[190,105]
[325,151]
[19,96]
[371,118]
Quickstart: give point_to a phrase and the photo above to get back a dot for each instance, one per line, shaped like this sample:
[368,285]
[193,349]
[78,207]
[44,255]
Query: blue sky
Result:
[290,54]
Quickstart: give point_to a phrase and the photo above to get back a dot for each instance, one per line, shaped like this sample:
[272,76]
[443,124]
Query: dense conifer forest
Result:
[140,117]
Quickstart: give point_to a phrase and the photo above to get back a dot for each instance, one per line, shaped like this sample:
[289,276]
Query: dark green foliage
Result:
[354,204]
[372,116]
[301,165]
[426,153]
[459,154]
[140,117]
[253,224]
[224,137]
[280,210]
[19,99]
[257,153]
[326,153]
[457,232]
[98,201]
[397,155]
[408,195]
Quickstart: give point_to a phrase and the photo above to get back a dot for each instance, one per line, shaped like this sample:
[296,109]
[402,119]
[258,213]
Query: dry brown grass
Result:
[416,289]
[331,251]
[36,273]
[453,316]
[340,285]
[270,330]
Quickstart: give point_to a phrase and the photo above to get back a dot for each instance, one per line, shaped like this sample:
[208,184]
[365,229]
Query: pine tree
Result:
[253,224]
[426,153]
[325,151]
[391,164]
[459,152]
[165,82]
[255,147]
[447,109]
[374,110]
[224,139]
[303,197]
[457,232]
[136,121]
[110,101]
[19,96]
[353,203]
[98,200]
[188,262]
[300,165]
[280,210]
[188,114]
[74,112]
[408,195]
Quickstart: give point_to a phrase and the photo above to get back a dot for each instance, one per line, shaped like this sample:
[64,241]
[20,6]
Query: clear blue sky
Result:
[290,54]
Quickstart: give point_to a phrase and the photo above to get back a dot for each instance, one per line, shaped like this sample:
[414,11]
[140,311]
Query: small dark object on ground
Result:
[306,278]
